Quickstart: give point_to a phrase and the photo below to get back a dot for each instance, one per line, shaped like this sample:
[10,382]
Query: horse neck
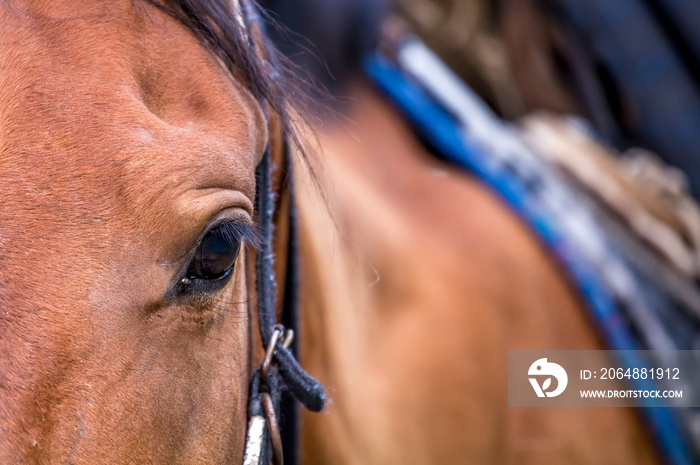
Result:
[369,291]
[412,294]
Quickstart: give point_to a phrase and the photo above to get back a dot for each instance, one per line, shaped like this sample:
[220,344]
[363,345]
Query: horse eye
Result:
[215,256]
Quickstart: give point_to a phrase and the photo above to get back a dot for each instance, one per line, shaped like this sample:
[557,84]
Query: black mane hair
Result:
[327,38]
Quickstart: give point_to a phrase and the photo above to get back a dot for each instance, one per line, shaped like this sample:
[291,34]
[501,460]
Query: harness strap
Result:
[280,372]
[285,375]
[305,388]
[289,420]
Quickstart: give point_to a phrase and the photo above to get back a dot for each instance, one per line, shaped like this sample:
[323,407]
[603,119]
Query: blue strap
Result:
[449,140]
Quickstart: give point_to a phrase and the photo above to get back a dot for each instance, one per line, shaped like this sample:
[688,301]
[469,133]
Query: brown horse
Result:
[411,307]
[414,289]
[128,153]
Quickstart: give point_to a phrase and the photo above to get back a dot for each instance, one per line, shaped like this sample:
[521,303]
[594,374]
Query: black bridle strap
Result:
[289,419]
[285,374]
[305,389]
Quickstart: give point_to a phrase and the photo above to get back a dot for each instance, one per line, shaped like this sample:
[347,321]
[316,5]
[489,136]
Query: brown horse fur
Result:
[121,138]
[412,303]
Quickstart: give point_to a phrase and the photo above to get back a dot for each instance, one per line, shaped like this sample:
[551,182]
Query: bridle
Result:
[279,372]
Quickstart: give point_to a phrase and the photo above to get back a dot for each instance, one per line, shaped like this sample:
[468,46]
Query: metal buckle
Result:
[256,425]
[277,332]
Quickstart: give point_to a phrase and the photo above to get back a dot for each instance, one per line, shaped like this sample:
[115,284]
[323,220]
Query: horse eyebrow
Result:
[227,32]
[274,80]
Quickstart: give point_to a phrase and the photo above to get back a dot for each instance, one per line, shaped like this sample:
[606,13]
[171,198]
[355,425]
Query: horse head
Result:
[130,135]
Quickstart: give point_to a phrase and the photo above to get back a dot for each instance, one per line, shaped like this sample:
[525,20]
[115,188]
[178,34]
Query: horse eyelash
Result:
[236,231]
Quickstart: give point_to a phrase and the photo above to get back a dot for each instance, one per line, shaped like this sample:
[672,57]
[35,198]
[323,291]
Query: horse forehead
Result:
[119,93]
